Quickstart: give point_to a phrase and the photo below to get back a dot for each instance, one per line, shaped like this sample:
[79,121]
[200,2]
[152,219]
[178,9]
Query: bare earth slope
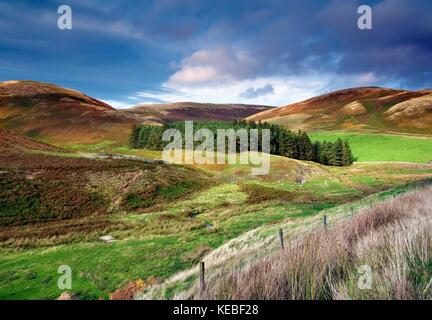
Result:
[182,111]
[358,108]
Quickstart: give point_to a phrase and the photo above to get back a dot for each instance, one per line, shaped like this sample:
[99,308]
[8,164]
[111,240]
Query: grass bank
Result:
[392,242]
[383,147]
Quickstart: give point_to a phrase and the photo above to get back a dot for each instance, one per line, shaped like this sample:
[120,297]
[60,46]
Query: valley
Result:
[253,153]
[185,223]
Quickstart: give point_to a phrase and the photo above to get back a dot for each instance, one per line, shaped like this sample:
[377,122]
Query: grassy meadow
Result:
[160,241]
[368,147]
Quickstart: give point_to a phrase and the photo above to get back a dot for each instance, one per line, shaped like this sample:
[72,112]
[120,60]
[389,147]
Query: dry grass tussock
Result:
[394,239]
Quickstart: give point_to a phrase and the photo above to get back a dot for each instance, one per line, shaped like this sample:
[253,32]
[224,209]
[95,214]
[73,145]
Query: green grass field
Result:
[154,245]
[383,147]
[175,235]
[163,241]
[366,147]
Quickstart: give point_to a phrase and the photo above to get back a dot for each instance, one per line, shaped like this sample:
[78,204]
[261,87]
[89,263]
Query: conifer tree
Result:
[134,137]
[283,142]
[347,158]
[337,153]
[316,151]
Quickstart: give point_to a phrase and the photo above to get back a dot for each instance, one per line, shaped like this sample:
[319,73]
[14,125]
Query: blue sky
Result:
[258,52]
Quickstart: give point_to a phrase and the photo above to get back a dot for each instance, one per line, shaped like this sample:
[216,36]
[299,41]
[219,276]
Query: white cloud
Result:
[192,75]
[213,66]
[227,76]
[367,79]
[285,90]
[118,104]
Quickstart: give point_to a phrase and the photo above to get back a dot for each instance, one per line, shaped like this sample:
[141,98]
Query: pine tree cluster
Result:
[283,142]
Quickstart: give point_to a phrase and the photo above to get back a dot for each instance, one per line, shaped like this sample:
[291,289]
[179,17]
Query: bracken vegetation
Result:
[393,238]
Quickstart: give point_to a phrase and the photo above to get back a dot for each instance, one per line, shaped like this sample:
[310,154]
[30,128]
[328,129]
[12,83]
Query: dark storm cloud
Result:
[399,46]
[310,35]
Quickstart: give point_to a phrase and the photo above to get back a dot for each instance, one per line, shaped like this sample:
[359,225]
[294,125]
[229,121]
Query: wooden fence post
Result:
[325,221]
[352,212]
[370,205]
[202,276]
[281,238]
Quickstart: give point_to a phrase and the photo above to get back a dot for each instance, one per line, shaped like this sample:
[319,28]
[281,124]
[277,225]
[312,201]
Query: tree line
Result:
[283,142]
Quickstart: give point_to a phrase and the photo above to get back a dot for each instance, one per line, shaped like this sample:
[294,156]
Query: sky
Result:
[271,52]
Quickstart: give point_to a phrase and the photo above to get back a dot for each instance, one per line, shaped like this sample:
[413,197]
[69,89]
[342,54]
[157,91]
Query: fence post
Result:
[370,205]
[202,276]
[352,212]
[325,221]
[281,238]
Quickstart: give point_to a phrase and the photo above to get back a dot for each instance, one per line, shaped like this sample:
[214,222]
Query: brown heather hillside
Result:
[46,111]
[12,144]
[368,108]
[46,192]
[182,111]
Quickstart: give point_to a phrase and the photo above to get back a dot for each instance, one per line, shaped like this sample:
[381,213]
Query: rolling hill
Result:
[46,111]
[161,113]
[368,108]
[58,115]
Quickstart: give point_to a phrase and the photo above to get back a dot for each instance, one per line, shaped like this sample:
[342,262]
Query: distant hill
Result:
[369,108]
[182,111]
[58,115]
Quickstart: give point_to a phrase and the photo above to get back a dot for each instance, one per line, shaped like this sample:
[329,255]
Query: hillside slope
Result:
[182,111]
[50,112]
[229,267]
[386,237]
[40,183]
[369,108]
[12,144]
